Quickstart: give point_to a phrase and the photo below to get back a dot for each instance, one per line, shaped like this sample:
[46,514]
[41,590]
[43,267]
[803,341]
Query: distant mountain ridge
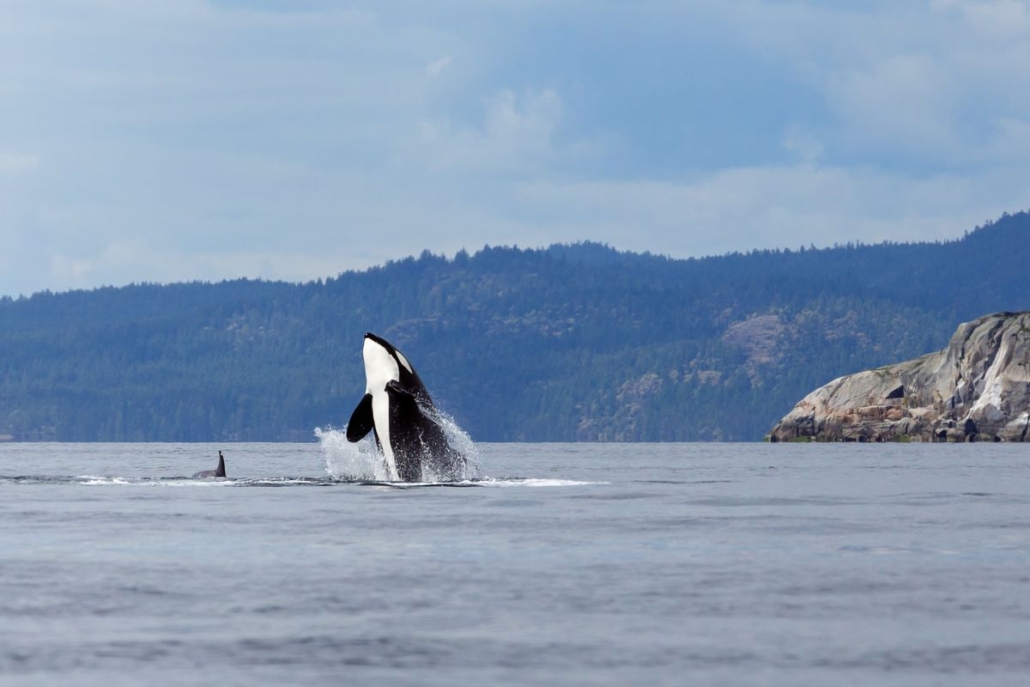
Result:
[571,342]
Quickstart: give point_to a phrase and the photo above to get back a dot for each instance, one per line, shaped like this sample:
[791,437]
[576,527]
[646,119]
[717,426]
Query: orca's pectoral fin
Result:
[361,422]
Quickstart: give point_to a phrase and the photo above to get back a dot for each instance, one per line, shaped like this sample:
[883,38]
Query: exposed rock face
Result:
[976,389]
[759,336]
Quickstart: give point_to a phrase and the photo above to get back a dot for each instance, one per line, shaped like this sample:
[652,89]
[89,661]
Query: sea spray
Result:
[461,442]
[350,461]
[363,461]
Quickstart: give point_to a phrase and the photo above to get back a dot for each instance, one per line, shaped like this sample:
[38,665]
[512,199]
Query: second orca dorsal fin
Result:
[361,421]
[217,472]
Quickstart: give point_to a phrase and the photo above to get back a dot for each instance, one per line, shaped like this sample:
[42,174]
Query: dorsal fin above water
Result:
[217,472]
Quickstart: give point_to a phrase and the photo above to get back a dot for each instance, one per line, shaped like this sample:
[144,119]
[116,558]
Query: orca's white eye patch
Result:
[404,361]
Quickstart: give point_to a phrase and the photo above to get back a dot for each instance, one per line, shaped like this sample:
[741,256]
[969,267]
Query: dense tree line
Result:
[572,342]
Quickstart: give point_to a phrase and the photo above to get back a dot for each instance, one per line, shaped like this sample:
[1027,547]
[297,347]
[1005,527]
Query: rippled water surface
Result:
[560,564]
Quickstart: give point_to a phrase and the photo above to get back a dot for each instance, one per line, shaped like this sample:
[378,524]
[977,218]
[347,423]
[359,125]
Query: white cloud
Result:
[914,83]
[164,141]
[1012,142]
[905,101]
[804,145]
[435,68]
[131,260]
[15,163]
[991,18]
[533,119]
[516,135]
[774,207]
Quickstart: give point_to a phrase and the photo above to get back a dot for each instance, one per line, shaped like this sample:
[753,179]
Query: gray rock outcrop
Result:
[975,389]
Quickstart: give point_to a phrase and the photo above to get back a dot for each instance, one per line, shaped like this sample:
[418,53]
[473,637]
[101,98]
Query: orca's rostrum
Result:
[398,410]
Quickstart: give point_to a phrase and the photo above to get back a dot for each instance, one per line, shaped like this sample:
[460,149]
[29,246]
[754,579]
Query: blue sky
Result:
[165,141]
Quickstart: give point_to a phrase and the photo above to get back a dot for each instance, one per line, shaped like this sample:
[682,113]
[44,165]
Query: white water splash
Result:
[461,442]
[114,481]
[362,461]
[531,482]
[351,462]
[98,481]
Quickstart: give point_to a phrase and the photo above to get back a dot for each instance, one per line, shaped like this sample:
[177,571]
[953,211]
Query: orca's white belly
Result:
[381,416]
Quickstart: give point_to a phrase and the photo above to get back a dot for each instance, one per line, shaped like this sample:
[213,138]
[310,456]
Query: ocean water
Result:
[560,564]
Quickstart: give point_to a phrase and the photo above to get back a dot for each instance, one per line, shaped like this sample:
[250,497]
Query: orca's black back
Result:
[416,437]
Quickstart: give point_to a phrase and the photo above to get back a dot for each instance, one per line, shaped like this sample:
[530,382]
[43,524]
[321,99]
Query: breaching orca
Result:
[217,472]
[397,408]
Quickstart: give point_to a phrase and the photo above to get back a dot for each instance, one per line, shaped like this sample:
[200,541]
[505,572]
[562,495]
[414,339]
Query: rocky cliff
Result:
[975,389]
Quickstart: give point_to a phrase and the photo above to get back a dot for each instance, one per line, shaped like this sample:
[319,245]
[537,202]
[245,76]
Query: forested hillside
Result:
[575,342]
